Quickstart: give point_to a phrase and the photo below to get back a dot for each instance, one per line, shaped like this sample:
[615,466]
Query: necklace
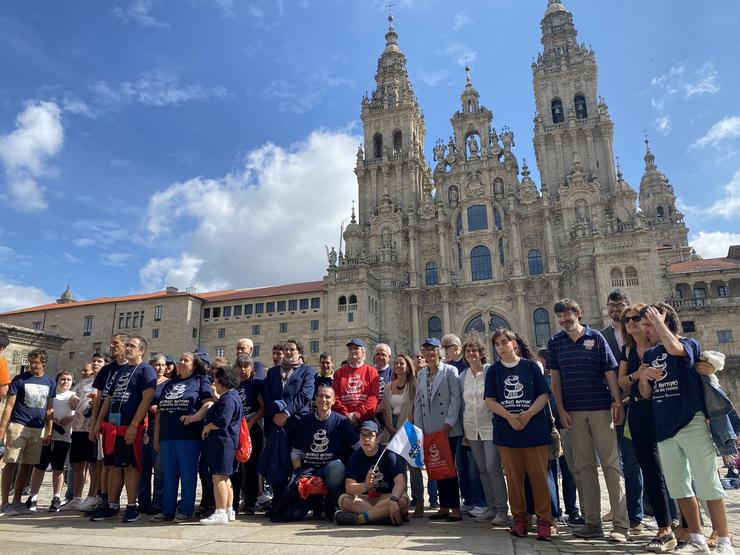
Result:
[399,387]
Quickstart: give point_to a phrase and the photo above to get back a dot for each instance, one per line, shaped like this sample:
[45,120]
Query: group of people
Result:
[517,421]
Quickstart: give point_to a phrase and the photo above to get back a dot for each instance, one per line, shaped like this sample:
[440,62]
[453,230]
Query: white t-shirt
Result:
[62,410]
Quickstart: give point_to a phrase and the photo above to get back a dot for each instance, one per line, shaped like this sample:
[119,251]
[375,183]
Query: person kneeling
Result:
[375,484]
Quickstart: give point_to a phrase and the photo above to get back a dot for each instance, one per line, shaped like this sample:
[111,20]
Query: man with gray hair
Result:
[453,354]
[381,361]
[245,346]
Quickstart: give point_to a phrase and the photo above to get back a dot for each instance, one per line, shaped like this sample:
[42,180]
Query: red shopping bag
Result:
[244,451]
[438,458]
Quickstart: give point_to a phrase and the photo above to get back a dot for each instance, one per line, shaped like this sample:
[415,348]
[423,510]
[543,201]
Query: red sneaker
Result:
[544,531]
[519,529]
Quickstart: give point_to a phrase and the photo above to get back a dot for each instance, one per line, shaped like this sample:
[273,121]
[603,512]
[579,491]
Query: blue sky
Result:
[211,143]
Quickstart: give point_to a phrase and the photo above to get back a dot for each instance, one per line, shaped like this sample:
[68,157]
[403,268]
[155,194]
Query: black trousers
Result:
[642,430]
[245,481]
[449,488]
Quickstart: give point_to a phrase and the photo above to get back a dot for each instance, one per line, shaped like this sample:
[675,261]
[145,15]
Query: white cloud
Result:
[459,52]
[706,82]
[100,232]
[266,224]
[138,12]
[714,244]
[726,128]
[460,20]
[14,295]
[116,259]
[154,88]
[729,205]
[70,258]
[434,77]
[305,90]
[25,153]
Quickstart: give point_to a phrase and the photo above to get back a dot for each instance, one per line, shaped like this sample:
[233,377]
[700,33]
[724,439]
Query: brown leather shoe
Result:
[418,512]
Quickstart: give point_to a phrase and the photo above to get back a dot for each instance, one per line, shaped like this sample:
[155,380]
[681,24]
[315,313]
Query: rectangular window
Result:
[315,303]
[206,313]
[259,308]
[128,320]
[271,306]
[477,218]
[724,336]
[158,313]
[281,306]
[237,310]
[87,326]
[350,316]
[96,347]
[220,352]
[195,333]
[247,309]
[688,326]
[120,320]
[136,319]
[292,304]
[256,351]
[221,333]
[314,346]
[722,291]
[227,312]
[314,325]
[71,355]
[217,312]
[155,333]
[283,327]
[304,304]
[37,325]
[256,329]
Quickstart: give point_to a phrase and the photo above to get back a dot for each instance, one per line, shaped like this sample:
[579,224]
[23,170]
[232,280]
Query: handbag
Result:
[438,457]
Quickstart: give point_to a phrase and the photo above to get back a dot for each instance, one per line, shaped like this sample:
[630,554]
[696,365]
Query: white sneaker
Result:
[725,549]
[485,516]
[691,547]
[232,515]
[73,505]
[86,505]
[464,509]
[501,519]
[475,511]
[215,519]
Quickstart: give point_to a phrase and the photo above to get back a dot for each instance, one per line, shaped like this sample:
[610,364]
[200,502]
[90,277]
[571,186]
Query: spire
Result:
[559,35]
[649,157]
[391,38]
[67,296]
[353,220]
[470,97]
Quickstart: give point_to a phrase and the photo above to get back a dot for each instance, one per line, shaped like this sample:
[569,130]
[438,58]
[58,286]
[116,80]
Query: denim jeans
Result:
[471,489]
[487,458]
[632,476]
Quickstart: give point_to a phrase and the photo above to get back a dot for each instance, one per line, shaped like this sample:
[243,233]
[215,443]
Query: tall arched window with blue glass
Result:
[534,260]
[480,263]
[432,276]
[434,327]
[477,218]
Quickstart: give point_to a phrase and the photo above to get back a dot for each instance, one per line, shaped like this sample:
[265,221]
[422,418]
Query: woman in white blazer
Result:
[437,407]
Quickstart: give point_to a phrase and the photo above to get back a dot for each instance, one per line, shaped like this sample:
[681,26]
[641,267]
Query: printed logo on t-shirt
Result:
[661,363]
[320,442]
[664,389]
[378,481]
[176,391]
[242,395]
[35,395]
[121,390]
[514,389]
[589,344]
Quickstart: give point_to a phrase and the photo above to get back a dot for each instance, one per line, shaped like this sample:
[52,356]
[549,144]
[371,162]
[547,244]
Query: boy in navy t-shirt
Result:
[684,441]
[375,483]
[26,424]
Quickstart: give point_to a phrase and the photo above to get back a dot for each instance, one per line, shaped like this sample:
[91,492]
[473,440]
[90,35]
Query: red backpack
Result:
[244,451]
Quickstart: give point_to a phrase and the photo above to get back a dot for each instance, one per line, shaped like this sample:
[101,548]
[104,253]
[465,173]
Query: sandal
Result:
[661,544]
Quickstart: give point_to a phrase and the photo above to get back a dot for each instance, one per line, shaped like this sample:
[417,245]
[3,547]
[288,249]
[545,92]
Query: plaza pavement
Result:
[66,533]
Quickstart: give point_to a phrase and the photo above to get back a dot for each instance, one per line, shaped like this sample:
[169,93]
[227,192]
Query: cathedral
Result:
[471,242]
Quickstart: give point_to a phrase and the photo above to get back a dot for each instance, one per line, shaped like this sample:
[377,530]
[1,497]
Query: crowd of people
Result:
[636,399]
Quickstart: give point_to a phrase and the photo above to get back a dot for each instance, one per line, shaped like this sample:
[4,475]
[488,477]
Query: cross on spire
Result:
[389,6]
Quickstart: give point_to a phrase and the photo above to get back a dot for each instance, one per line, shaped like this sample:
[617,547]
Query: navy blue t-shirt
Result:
[104,379]
[678,395]
[322,441]
[32,396]
[389,467]
[226,415]
[516,389]
[583,365]
[182,398]
[259,369]
[249,392]
[633,365]
[127,391]
[386,376]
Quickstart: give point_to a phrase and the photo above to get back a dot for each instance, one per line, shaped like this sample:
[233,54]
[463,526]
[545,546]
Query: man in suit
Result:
[615,304]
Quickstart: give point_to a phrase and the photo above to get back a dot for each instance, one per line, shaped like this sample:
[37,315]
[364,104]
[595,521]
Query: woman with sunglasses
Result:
[642,427]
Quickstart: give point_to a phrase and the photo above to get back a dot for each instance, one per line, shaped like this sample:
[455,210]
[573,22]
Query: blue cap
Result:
[432,342]
[203,355]
[357,342]
[370,426]
[169,360]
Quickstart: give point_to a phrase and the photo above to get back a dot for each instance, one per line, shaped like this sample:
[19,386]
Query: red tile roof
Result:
[705,265]
[210,296]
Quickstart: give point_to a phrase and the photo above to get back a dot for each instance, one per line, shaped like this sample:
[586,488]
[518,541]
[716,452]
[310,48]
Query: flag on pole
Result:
[408,442]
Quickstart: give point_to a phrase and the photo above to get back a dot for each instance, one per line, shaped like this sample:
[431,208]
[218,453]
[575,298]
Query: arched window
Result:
[353,299]
[617,277]
[458,226]
[541,326]
[397,142]
[432,278]
[630,276]
[477,218]
[480,263]
[453,195]
[534,260]
[378,146]
[501,257]
[459,257]
[557,111]
[476,324]
[434,327]
[580,104]
[660,213]
[342,305]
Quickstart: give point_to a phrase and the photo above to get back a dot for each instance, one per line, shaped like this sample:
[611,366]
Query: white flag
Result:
[408,442]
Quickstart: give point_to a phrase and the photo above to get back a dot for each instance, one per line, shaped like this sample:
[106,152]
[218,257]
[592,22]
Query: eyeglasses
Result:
[448,346]
[616,305]
[634,319]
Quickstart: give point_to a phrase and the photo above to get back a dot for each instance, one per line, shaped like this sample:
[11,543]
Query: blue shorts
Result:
[221,456]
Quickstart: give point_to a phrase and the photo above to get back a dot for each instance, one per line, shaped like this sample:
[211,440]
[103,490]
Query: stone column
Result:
[444,267]
[516,247]
[445,292]
[591,152]
[414,298]
[552,263]
[521,307]
[414,275]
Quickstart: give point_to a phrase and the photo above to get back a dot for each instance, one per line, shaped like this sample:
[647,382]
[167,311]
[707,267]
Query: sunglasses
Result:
[635,319]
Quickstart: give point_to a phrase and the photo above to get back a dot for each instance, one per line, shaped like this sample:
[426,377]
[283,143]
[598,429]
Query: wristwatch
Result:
[394,498]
